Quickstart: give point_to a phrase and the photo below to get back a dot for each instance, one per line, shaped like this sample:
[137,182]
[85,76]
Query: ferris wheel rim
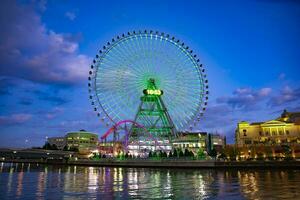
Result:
[124,37]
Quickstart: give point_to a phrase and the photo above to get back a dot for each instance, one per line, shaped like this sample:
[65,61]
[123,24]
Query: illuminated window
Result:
[267,133]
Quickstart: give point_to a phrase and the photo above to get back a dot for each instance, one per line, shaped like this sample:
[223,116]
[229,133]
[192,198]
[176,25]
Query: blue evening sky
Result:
[249,48]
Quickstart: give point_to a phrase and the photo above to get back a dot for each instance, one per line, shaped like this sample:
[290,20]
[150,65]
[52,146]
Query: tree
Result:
[222,156]
[201,154]
[154,155]
[54,147]
[180,154]
[160,154]
[150,154]
[65,148]
[231,152]
[186,153]
[287,152]
[213,153]
[269,152]
[175,154]
[47,146]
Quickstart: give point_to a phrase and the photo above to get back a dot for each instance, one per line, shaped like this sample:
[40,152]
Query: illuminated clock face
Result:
[153,92]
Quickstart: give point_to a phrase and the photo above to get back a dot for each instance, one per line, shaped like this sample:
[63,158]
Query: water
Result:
[32,181]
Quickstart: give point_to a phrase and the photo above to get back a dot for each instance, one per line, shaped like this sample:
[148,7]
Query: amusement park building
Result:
[190,140]
[83,140]
[215,141]
[276,134]
[196,140]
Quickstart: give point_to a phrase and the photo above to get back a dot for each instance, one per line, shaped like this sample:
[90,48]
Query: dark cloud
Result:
[245,98]
[30,51]
[286,97]
[26,101]
[6,85]
[51,97]
[4,91]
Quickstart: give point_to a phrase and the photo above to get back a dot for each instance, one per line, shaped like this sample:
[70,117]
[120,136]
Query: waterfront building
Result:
[190,140]
[195,140]
[59,142]
[216,141]
[271,138]
[83,140]
[110,147]
[283,130]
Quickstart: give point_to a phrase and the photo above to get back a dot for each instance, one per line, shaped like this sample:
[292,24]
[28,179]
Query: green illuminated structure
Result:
[166,70]
[153,115]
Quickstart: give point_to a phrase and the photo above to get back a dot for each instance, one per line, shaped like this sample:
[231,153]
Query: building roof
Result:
[256,123]
[293,117]
[286,117]
[81,133]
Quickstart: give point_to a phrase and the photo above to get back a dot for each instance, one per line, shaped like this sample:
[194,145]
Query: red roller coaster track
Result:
[115,127]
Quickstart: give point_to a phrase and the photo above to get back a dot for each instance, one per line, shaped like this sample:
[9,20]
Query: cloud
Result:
[217,116]
[50,96]
[30,51]
[70,15]
[282,76]
[26,101]
[286,96]
[6,84]
[15,119]
[54,113]
[244,98]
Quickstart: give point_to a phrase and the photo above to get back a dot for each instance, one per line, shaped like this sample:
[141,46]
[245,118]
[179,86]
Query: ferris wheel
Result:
[122,69]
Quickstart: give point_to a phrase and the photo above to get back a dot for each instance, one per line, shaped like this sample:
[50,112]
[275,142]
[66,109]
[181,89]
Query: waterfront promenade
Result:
[71,158]
[180,163]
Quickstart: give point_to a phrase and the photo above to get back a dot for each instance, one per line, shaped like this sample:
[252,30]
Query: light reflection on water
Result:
[31,181]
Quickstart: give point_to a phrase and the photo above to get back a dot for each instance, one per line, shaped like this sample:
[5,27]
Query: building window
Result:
[287,132]
[260,133]
[267,133]
[280,133]
[245,132]
[273,133]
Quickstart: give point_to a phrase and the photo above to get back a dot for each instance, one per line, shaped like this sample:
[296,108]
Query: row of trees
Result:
[179,153]
[175,154]
[228,153]
[256,152]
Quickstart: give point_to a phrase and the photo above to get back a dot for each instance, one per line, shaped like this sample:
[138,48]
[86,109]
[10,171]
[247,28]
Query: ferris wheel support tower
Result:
[154,115]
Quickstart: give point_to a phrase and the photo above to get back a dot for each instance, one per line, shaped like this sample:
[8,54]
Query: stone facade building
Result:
[277,135]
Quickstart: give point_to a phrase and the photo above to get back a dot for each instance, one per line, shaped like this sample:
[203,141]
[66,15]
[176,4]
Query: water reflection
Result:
[24,181]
